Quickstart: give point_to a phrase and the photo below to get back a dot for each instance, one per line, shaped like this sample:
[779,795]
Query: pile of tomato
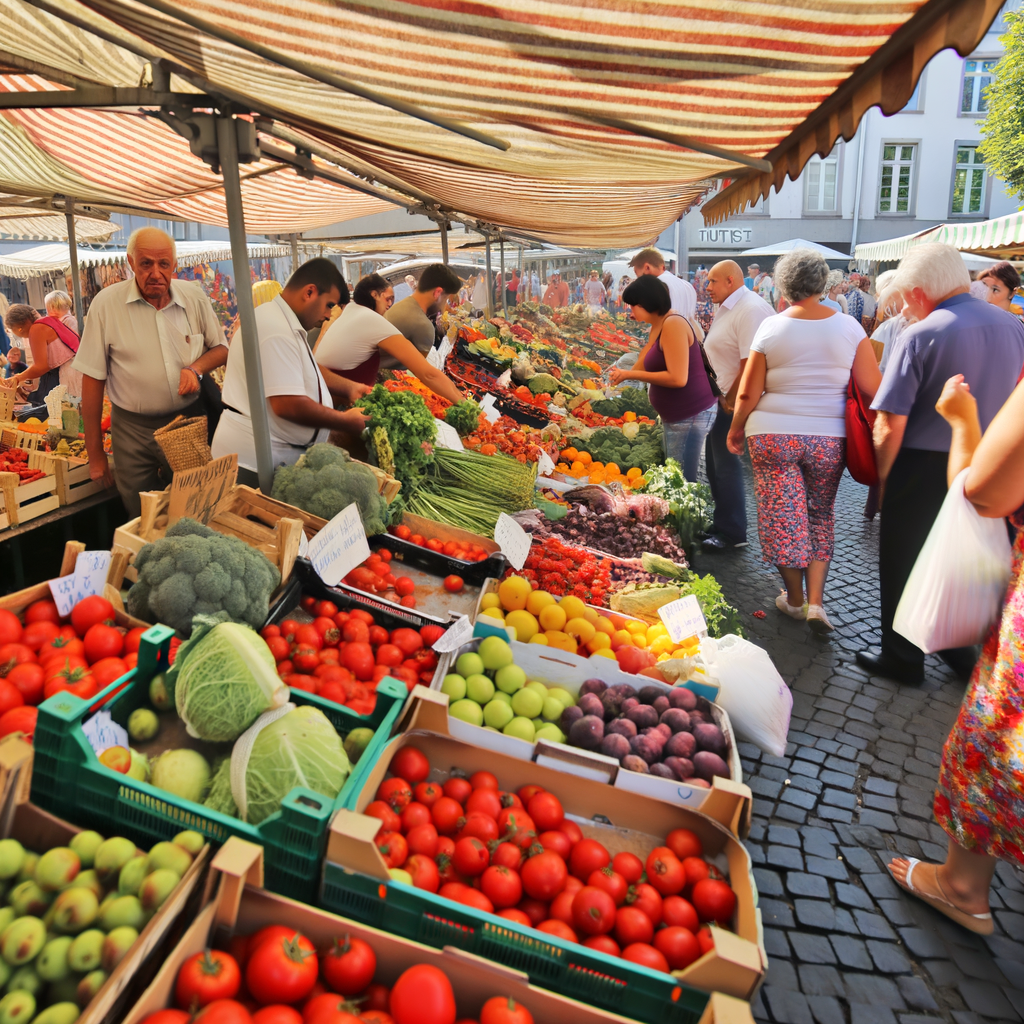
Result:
[277,976]
[15,460]
[374,576]
[342,655]
[506,435]
[45,654]
[517,854]
[452,548]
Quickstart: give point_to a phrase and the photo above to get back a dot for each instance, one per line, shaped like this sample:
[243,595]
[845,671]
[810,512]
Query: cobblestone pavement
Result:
[846,945]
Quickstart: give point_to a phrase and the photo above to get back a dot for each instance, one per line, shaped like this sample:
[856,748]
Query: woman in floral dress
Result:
[980,796]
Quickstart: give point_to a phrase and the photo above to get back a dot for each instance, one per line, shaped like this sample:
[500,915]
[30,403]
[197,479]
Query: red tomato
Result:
[281,971]
[277,1013]
[393,848]
[223,1011]
[21,720]
[458,789]
[705,940]
[89,611]
[484,801]
[10,696]
[36,634]
[609,880]
[133,638]
[476,899]
[10,627]
[408,641]
[424,872]
[556,841]
[409,763]
[61,645]
[329,632]
[713,900]
[168,1017]
[632,925]
[396,793]
[603,944]
[418,539]
[46,611]
[388,817]
[207,976]
[102,641]
[408,601]
[572,884]
[557,928]
[504,1010]
[349,965]
[646,956]
[546,811]
[695,870]
[404,586]
[516,916]
[428,793]
[484,780]
[14,654]
[678,946]
[271,933]
[423,840]
[389,655]
[279,647]
[629,865]
[665,871]
[471,857]
[572,830]
[308,603]
[401,531]
[479,826]
[325,609]
[508,855]
[684,843]
[423,995]
[453,584]
[593,911]
[357,657]
[646,898]
[378,635]
[501,885]
[376,997]
[588,856]
[447,816]
[355,631]
[106,670]
[544,876]
[431,634]
[328,1008]
[29,680]
[433,544]
[414,814]
[535,910]
[526,793]
[679,913]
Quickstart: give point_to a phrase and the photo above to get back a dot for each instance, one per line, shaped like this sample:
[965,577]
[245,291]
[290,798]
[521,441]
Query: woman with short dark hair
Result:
[374,292]
[1001,280]
[672,364]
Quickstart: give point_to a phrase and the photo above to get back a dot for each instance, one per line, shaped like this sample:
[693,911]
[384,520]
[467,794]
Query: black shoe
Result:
[961,660]
[890,668]
[716,542]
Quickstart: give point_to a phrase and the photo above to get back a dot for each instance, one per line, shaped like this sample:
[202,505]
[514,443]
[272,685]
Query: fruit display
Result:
[518,855]
[72,913]
[15,460]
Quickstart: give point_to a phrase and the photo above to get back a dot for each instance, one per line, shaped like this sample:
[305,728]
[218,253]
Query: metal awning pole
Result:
[490,279]
[227,144]
[444,241]
[76,280]
[295,252]
[504,287]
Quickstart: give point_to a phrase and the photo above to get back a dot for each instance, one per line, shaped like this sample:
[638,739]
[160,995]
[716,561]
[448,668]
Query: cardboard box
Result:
[37,830]
[623,821]
[239,906]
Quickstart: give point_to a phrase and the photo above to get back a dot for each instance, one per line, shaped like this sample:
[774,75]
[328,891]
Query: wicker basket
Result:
[184,443]
[8,399]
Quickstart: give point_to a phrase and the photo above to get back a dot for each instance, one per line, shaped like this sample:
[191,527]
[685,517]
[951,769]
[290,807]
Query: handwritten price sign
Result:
[339,547]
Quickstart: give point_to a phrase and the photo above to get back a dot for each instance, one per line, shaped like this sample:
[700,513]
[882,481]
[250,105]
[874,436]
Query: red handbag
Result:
[860,446]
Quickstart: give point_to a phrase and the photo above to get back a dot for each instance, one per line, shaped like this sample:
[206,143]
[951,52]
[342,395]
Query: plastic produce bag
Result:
[753,694]
[957,586]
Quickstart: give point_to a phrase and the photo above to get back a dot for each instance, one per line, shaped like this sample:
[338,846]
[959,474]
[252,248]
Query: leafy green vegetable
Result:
[628,400]
[721,617]
[690,503]
[410,427]
[464,417]
[627,446]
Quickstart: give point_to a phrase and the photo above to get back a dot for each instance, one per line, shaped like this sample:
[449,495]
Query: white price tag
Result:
[91,568]
[513,540]
[506,378]
[683,618]
[448,436]
[435,360]
[458,633]
[340,546]
[63,590]
[303,545]
[444,350]
[102,732]
[488,408]
[545,467]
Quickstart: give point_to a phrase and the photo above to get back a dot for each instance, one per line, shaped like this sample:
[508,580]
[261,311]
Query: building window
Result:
[977,78]
[822,178]
[897,177]
[968,181]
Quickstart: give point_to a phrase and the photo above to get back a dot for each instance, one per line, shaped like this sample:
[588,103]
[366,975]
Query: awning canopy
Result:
[781,248]
[25,224]
[1000,238]
[893,248]
[594,124]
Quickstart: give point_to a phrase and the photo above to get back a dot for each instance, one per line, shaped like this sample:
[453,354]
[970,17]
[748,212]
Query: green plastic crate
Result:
[69,781]
[608,983]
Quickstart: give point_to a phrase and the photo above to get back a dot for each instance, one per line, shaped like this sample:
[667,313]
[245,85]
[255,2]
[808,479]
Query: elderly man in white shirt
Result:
[299,403]
[682,293]
[148,341]
[740,313]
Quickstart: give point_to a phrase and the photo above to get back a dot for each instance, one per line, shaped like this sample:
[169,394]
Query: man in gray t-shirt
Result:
[414,316]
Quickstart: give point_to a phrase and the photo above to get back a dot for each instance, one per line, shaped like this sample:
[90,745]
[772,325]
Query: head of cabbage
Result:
[223,678]
[298,747]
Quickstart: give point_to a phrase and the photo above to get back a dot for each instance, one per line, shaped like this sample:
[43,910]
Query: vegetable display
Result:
[628,446]
[15,460]
[689,503]
[410,428]
[193,570]
[632,400]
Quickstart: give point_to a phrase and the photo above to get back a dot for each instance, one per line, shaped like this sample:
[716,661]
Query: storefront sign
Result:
[726,238]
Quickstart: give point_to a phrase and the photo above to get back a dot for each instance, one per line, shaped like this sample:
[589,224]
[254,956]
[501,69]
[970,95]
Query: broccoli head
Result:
[194,570]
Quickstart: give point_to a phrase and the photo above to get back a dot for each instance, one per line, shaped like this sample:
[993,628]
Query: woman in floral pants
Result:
[791,408]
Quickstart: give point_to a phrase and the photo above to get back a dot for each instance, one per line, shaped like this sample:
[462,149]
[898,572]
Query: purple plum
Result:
[571,714]
[710,737]
[707,765]
[682,767]
[682,698]
[662,771]
[622,726]
[587,732]
[661,704]
[643,715]
[632,763]
[615,745]
[676,719]
[681,744]
[590,704]
[597,686]
[649,694]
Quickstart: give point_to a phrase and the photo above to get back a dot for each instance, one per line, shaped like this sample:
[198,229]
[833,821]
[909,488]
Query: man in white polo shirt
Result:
[682,293]
[299,404]
[740,313]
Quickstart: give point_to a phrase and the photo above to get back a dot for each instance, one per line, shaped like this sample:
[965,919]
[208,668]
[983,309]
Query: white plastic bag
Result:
[752,693]
[957,586]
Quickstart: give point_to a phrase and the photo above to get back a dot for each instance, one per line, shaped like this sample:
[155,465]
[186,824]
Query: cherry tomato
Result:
[46,611]
[645,955]
[89,611]
[713,900]
[408,601]
[544,876]
[423,995]
[411,764]
[588,856]
[453,584]
[10,627]
[433,544]
[418,540]
[396,793]
[102,641]
[206,976]
[349,965]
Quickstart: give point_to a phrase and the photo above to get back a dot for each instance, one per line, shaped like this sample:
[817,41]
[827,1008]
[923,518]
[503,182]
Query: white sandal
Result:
[787,609]
[980,924]
[818,620]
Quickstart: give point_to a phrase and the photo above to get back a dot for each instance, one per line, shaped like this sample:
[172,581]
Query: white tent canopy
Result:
[781,248]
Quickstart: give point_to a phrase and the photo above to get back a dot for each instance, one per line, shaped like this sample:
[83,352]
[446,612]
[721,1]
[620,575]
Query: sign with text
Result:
[683,618]
[339,547]
[458,633]
[448,436]
[513,540]
[88,580]
[197,493]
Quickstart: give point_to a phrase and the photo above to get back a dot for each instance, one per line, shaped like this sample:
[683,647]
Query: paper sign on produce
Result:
[513,540]
[683,618]
[448,436]
[197,493]
[458,633]
[340,546]
[487,407]
[88,579]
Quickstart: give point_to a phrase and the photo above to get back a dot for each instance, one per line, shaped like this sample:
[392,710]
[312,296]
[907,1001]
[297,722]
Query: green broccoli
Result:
[194,570]
[464,416]
[542,384]
[325,480]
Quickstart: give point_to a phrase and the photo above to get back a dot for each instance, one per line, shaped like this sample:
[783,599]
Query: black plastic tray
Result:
[440,564]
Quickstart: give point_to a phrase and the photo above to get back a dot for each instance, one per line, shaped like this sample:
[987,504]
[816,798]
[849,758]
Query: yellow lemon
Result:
[620,638]
[661,645]
[604,653]
[493,613]
[513,593]
[552,617]
[561,641]
[523,623]
[581,629]
[538,600]
[599,642]
[490,601]
[591,615]
[636,626]
[572,606]
[538,638]
[605,625]
[653,632]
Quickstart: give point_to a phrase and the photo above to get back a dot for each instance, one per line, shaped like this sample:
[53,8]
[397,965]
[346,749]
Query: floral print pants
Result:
[796,477]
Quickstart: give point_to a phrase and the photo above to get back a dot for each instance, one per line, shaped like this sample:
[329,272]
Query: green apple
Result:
[527,703]
[520,727]
[538,688]
[467,711]
[552,709]
[495,653]
[567,699]
[498,714]
[490,728]
[550,731]
[510,678]
[479,688]
[503,697]
[454,685]
[469,664]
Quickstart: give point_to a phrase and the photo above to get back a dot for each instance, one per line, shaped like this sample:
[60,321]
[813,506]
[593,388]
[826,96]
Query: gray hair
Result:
[937,269]
[20,315]
[884,281]
[800,274]
[149,230]
[59,302]
[835,278]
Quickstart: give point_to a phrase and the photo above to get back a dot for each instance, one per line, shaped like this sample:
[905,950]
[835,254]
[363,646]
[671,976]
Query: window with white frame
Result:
[968,181]
[821,183]
[977,77]
[897,178]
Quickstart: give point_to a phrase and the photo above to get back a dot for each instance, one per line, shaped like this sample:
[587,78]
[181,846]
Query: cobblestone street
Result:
[856,785]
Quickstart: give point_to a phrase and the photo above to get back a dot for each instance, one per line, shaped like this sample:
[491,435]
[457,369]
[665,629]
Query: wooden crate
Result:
[23,502]
[8,399]
[387,485]
[17,435]
[72,473]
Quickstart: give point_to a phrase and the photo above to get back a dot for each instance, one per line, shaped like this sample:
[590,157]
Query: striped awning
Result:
[1002,237]
[25,224]
[611,118]
[893,248]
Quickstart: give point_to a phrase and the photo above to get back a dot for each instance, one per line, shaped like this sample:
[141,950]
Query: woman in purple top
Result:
[672,365]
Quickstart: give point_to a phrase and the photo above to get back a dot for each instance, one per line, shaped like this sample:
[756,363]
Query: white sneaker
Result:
[818,620]
[787,609]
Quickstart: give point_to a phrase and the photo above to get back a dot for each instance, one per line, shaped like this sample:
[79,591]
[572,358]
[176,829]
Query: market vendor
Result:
[53,345]
[148,341]
[351,347]
[556,294]
[299,407]
[414,316]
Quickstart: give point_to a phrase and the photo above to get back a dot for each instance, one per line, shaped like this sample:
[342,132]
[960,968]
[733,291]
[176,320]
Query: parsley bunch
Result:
[410,428]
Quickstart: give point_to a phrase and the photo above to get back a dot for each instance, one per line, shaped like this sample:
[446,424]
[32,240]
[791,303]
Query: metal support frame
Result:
[76,280]
[100,96]
[504,290]
[227,144]
[489,308]
[444,240]
[295,252]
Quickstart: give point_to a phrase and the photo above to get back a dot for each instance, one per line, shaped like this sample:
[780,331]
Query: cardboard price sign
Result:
[448,436]
[340,546]
[683,618]
[513,540]
[197,493]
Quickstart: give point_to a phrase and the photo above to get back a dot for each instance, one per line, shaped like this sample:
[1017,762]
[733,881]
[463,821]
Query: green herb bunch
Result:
[410,428]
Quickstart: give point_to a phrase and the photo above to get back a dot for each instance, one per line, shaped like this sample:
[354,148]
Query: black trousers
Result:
[914,493]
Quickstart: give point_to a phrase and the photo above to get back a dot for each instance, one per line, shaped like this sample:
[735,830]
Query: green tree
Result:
[1002,146]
